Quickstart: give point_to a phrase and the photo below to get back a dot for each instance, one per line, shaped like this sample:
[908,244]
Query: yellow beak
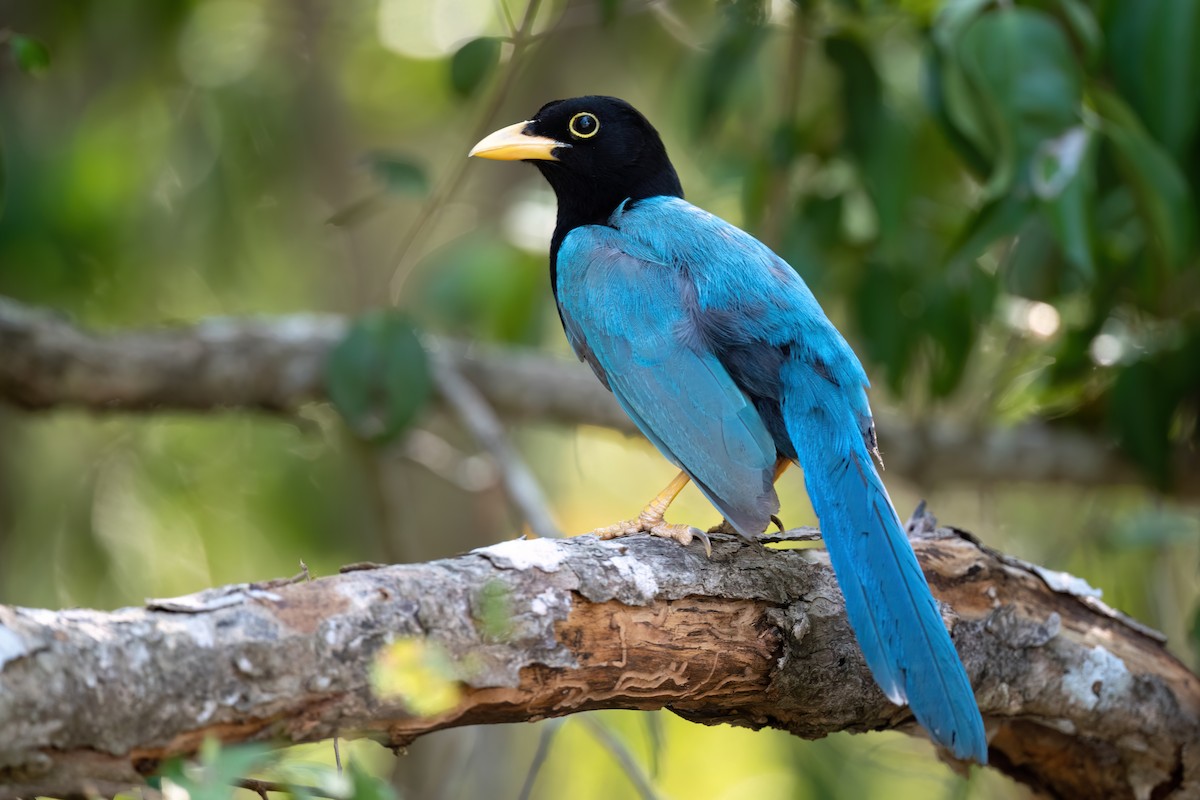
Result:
[513,144]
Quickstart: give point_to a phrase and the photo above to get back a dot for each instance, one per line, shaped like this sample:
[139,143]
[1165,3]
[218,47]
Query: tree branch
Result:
[475,413]
[1078,701]
[277,365]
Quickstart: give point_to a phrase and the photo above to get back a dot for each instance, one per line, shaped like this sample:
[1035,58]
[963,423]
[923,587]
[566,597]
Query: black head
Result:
[594,151]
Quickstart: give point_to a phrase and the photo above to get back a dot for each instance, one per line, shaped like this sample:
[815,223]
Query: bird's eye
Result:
[584,125]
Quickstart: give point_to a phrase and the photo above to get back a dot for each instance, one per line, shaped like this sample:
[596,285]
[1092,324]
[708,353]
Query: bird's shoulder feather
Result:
[743,301]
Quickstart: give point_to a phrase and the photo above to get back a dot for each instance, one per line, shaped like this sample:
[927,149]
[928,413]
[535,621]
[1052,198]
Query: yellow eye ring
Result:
[588,125]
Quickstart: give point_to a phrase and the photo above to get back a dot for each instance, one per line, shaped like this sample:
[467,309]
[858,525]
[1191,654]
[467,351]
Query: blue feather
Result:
[893,614]
[625,315]
[721,355]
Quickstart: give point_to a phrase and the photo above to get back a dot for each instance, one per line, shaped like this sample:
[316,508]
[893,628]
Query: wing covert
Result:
[625,315]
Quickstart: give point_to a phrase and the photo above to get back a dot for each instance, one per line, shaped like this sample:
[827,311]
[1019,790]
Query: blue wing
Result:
[625,316]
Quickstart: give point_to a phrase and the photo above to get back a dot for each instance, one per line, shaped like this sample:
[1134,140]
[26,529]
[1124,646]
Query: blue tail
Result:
[888,601]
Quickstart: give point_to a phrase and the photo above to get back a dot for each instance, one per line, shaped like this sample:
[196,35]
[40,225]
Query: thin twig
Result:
[654,730]
[449,186]
[550,728]
[471,473]
[479,418]
[510,24]
[621,753]
[261,788]
[300,577]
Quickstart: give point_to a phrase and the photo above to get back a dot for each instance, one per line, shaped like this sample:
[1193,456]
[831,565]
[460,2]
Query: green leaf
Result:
[889,173]
[472,63]
[785,145]
[367,787]
[227,764]
[933,89]
[398,173]
[31,55]
[887,305]
[861,92]
[1155,47]
[610,12]
[952,99]
[1059,161]
[1064,179]
[1027,84]
[1163,198]
[378,376]
[1141,406]
[1002,217]
[738,42]
[2,177]
[877,137]
[954,17]
[966,114]
[755,183]
[481,287]
[1084,28]
[1032,267]
[950,323]
[814,233]
[217,769]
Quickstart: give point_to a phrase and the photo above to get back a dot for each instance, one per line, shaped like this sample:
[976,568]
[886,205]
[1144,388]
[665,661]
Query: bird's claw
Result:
[684,534]
[726,527]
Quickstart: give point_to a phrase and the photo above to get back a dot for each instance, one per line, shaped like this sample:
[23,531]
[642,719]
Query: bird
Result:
[722,357]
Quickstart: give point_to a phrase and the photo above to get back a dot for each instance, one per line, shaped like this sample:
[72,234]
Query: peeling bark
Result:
[1078,701]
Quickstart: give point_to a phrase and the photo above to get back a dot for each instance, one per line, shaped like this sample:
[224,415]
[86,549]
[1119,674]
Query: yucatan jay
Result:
[721,356]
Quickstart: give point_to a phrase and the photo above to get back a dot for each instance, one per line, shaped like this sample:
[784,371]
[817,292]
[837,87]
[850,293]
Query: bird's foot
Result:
[726,527]
[655,526]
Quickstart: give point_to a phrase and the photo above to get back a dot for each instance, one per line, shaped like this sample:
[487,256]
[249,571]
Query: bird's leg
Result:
[781,466]
[651,520]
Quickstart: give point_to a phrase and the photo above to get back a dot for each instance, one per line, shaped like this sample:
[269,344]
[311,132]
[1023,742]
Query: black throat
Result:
[592,199]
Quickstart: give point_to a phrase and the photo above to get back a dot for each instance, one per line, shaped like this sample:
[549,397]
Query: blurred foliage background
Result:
[996,201]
